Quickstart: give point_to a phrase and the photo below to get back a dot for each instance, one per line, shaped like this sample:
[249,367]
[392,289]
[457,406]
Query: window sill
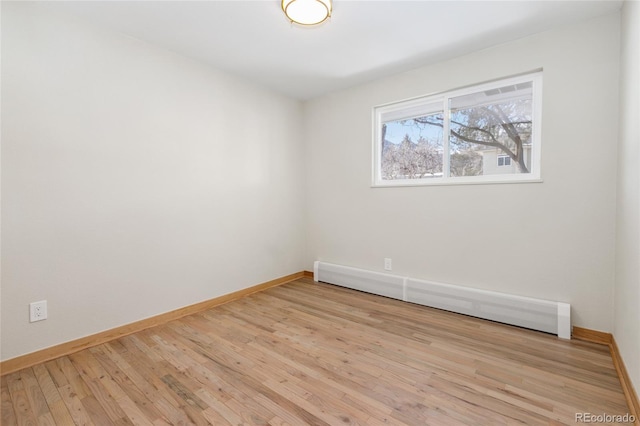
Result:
[452,181]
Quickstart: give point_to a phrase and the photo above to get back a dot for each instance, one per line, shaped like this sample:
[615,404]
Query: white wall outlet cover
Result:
[387,264]
[38,311]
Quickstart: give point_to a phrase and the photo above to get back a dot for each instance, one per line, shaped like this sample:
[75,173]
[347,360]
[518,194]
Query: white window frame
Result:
[395,111]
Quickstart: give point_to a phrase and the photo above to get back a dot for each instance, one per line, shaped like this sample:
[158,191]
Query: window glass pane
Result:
[489,124]
[412,148]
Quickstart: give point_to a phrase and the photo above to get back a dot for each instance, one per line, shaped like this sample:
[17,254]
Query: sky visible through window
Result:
[397,130]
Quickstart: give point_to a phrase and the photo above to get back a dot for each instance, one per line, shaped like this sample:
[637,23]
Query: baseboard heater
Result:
[536,314]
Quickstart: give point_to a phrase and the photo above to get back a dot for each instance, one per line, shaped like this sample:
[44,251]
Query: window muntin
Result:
[485,133]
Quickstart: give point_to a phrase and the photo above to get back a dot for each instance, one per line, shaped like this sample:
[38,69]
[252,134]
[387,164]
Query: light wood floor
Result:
[316,354]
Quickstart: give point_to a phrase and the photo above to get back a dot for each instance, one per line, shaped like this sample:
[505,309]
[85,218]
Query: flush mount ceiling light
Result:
[307,12]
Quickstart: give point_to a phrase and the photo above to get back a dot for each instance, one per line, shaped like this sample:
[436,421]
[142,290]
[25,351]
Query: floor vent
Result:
[536,314]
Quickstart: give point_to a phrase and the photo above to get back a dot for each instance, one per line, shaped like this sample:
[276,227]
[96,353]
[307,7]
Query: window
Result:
[482,134]
[504,160]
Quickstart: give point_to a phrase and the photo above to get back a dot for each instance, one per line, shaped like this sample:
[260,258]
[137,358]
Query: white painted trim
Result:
[405,281]
[456,181]
[564,321]
[446,134]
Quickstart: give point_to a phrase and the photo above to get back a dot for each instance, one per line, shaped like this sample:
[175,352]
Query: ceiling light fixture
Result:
[307,12]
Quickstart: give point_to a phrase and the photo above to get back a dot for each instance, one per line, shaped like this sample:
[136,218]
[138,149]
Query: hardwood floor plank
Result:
[24,413]
[7,413]
[222,368]
[169,403]
[131,396]
[72,376]
[57,407]
[34,393]
[134,413]
[56,373]
[46,420]
[316,354]
[277,421]
[77,410]
[96,411]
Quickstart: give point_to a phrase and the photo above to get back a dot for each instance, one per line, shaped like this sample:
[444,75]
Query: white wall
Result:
[134,181]
[626,329]
[556,239]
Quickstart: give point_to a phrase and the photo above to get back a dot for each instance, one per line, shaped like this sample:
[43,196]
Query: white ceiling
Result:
[363,41]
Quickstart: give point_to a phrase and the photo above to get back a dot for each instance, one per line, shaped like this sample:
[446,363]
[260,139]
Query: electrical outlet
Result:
[387,264]
[38,311]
